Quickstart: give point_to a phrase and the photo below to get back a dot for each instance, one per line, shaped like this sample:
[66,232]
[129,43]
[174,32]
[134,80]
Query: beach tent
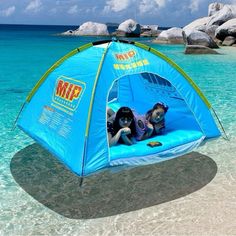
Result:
[66,111]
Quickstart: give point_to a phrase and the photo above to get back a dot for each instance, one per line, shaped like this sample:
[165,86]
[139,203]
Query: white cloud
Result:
[194,5]
[161,3]
[8,12]
[34,6]
[91,10]
[116,5]
[73,10]
[143,6]
[150,6]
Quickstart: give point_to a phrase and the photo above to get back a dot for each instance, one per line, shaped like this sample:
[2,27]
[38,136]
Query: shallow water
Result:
[191,195]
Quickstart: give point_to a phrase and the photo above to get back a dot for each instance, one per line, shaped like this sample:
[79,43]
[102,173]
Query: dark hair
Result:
[127,113]
[156,106]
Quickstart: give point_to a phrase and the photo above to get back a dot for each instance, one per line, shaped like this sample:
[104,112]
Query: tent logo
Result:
[68,90]
[125,56]
[67,93]
[128,60]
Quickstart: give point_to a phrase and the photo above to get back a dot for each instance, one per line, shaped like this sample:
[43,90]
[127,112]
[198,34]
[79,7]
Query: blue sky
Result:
[75,12]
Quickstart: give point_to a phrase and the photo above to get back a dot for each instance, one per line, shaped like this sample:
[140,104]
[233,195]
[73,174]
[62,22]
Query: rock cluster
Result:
[218,28]
[149,31]
[128,28]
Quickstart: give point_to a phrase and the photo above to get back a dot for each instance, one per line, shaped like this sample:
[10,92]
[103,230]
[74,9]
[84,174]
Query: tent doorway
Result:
[140,92]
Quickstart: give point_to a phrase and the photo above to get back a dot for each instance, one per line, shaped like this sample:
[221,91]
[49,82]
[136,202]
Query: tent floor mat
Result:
[174,143]
[181,135]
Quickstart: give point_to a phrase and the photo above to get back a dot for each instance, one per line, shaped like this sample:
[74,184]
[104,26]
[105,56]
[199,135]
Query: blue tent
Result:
[66,111]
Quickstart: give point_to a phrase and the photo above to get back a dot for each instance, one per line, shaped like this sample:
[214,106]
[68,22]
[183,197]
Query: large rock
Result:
[93,28]
[227,29]
[214,7]
[89,28]
[199,49]
[228,12]
[149,31]
[149,28]
[199,38]
[210,30]
[201,24]
[129,28]
[170,36]
[229,41]
[198,24]
[218,42]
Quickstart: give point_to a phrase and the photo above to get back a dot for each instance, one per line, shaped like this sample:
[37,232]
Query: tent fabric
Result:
[66,112]
[56,122]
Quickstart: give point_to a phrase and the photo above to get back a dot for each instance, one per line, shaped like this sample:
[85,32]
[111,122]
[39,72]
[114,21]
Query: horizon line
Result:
[74,25]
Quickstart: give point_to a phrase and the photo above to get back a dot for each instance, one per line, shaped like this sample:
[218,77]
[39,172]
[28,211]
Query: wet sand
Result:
[191,195]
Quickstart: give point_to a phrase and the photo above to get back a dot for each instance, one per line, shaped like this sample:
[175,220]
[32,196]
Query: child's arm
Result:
[159,126]
[113,140]
[149,131]
[127,140]
[122,132]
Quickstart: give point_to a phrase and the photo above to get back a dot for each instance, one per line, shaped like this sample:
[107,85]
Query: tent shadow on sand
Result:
[105,194]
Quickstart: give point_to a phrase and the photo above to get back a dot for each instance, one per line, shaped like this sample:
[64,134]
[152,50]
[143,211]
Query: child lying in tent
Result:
[125,125]
[152,123]
[121,126]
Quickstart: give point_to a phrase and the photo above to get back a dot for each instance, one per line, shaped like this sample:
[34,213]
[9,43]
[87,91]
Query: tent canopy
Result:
[66,111]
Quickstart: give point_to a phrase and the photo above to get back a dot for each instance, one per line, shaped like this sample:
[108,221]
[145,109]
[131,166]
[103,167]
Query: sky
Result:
[167,13]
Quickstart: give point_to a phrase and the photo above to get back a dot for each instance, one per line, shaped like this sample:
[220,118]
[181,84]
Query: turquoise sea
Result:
[39,196]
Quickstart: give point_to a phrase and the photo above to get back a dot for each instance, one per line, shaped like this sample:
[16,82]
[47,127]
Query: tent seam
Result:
[91,106]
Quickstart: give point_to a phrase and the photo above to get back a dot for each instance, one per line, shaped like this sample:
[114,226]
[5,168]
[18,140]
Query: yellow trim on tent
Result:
[59,62]
[143,46]
[94,89]
[196,88]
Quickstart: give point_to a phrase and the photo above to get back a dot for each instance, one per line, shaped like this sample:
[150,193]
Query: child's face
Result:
[157,115]
[125,122]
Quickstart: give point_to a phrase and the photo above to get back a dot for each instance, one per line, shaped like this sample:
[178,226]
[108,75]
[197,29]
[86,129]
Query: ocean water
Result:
[191,195]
